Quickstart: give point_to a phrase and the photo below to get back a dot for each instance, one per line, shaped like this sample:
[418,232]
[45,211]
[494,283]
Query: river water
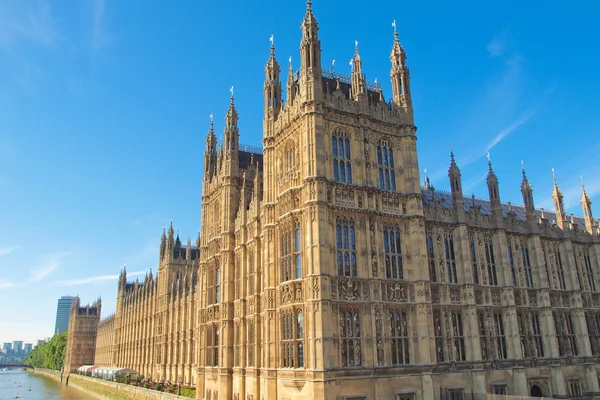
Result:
[42,388]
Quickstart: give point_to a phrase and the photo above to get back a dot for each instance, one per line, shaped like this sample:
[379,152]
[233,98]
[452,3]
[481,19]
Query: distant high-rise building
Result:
[62,314]
[6,347]
[27,347]
[17,345]
[40,341]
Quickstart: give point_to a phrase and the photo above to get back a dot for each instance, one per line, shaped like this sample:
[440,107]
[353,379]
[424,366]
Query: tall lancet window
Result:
[431,257]
[346,247]
[450,257]
[350,343]
[474,261]
[559,266]
[399,337]
[491,262]
[385,162]
[292,345]
[589,270]
[392,246]
[218,284]
[291,255]
[340,153]
[527,266]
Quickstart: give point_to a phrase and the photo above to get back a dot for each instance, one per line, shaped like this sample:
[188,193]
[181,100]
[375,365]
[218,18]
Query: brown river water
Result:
[42,388]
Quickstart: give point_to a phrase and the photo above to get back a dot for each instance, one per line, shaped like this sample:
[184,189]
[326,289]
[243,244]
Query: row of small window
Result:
[342,161]
[490,275]
[345,236]
[346,249]
[350,338]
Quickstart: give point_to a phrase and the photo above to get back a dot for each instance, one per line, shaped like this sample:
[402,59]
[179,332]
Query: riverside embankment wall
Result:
[108,390]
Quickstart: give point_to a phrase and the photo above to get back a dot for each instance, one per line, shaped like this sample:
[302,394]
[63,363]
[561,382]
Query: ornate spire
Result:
[527,191]
[290,83]
[559,206]
[310,57]
[400,75]
[426,184]
[171,231]
[272,87]
[231,118]
[492,183]
[210,154]
[358,81]
[455,176]
[586,205]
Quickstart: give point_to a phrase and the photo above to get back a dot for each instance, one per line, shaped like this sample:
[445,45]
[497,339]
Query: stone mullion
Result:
[568,258]
[511,332]
[540,268]
[548,330]
[501,257]
[472,336]
[461,243]
[594,251]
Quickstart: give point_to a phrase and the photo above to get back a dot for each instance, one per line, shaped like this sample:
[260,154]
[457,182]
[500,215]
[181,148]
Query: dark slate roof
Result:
[445,200]
[329,86]
[245,157]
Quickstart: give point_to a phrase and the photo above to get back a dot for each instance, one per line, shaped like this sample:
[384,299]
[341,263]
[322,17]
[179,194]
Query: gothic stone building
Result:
[325,271]
[81,336]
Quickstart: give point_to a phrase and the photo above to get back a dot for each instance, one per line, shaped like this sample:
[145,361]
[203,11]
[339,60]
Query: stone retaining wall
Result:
[108,390]
[117,391]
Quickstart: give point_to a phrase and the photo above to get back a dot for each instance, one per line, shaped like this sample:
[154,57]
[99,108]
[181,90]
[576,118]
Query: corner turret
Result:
[400,76]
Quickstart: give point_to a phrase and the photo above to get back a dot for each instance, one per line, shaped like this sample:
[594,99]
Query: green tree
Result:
[49,355]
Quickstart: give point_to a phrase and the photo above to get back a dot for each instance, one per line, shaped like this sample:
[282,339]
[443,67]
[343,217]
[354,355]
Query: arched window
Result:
[216,347]
[491,262]
[431,257]
[511,260]
[340,153]
[250,274]
[217,284]
[399,337]
[450,257]
[346,247]
[385,162]
[526,265]
[350,343]
[291,254]
[392,248]
[292,344]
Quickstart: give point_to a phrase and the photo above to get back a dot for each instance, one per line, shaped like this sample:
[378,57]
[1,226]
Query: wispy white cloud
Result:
[100,36]
[507,131]
[470,184]
[35,24]
[497,46]
[52,263]
[7,284]
[93,279]
[8,249]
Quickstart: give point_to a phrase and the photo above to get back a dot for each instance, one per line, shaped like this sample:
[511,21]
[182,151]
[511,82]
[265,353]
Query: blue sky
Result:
[104,111]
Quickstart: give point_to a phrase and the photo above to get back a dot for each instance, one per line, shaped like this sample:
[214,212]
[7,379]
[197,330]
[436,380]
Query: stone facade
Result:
[81,336]
[325,271]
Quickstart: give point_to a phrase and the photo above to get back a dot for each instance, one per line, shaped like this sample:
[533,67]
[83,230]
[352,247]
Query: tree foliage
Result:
[49,355]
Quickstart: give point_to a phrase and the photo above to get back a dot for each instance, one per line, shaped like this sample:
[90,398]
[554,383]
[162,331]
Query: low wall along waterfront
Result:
[108,390]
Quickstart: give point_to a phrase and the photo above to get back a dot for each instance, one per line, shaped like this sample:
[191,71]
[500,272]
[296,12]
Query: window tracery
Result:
[399,337]
[350,339]
[292,344]
[291,253]
[340,151]
[392,248]
[385,162]
[450,257]
[346,247]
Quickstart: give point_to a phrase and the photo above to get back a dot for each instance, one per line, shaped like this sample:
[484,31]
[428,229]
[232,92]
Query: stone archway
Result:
[536,391]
